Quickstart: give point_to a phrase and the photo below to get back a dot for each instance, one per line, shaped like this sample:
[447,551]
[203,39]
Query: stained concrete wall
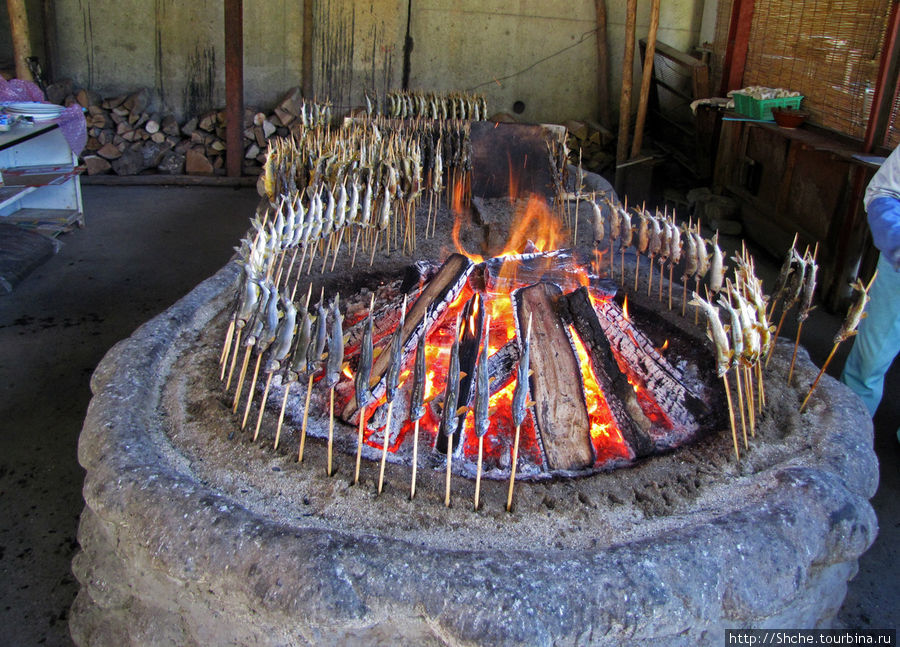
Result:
[540,53]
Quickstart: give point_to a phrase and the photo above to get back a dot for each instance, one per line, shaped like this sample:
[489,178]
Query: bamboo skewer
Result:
[775,336]
[226,346]
[819,376]
[637,271]
[449,469]
[512,469]
[234,354]
[748,385]
[328,465]
[243,374]
[262,405]
[671,268]
[359,443]
[252,391]
[761,390]
[284,401]
[734,438]
[305,416]
[740,392]
[415,461]
[794,356]
[478,472]
[384,447]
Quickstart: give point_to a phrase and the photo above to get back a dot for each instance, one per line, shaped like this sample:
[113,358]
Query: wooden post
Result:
[602,65]
[234,86]
[625,99]
[306,55]
[737,46]
[18,24]
[645,84]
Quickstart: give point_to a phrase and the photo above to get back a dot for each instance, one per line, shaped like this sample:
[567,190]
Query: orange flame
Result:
[625,310]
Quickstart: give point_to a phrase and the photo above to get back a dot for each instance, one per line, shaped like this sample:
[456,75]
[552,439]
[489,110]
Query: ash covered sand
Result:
[586,512]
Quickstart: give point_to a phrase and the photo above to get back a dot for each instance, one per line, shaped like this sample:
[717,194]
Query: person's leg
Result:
[878,341]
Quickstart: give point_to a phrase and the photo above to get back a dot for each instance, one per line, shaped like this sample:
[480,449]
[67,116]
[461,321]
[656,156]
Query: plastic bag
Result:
[71,121]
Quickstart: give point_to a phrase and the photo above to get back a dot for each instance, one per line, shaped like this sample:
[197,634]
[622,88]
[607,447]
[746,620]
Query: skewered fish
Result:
[716,332]
[417,398]
[335,347]
[364,369]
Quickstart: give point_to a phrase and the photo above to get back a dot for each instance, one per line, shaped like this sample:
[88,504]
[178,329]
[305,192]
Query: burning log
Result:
[577,309]
[560,410]
[428,308]
[643,363]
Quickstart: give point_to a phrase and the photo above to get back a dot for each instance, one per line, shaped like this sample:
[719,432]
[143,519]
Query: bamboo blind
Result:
[828,50]
[892,137]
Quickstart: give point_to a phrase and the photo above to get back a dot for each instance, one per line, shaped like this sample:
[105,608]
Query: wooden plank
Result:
[161,179]
[21,40]
[234,86]
[602,65]
[738,44]
[306,55]
[647,75]
[560,411]
[625,98]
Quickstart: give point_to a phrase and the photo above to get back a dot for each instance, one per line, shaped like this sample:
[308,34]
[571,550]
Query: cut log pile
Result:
[594,142]
[127,135]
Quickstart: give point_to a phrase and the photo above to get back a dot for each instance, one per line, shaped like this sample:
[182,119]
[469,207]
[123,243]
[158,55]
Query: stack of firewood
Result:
[126,136]
[595,144]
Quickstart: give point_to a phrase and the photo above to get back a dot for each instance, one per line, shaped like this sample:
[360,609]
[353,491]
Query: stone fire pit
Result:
[193,535]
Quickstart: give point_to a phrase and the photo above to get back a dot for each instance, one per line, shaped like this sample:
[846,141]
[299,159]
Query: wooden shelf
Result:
[50,222]
[10,194]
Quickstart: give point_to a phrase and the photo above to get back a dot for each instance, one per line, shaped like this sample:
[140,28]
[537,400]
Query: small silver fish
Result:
[417,398]
[482,386]
[335,347]
[520,391]
[717,267]
[716,332]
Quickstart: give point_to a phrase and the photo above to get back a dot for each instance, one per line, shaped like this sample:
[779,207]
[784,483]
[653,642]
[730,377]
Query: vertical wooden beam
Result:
[738,44]
[602,65]
[625,99]
[645,79]
[51,42]
[886,81]
[306,70]
[18,24]
[234,86]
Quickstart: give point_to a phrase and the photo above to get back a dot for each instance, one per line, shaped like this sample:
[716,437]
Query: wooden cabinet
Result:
[41,188]
[802,180]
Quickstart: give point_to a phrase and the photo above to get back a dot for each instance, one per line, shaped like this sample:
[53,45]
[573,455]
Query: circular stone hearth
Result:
[193,535]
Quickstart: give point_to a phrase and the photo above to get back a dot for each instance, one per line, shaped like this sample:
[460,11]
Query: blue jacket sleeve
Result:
[884,221]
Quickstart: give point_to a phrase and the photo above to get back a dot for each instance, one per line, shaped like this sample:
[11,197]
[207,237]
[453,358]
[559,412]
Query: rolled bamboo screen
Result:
[828,50]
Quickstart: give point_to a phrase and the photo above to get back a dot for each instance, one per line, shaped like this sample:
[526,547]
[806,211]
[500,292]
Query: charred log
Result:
[433,301]
[560,411]
[502,366]
[576,309]
[641,361]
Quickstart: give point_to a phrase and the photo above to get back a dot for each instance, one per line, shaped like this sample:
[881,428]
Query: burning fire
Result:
[529,253]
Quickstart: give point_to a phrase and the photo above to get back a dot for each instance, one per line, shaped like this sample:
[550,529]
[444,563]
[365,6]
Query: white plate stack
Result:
[36,110]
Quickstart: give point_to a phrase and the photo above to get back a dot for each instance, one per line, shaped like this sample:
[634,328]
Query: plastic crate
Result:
[762,108]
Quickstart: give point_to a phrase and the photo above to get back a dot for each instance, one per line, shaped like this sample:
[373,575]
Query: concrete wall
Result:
[508,51]
[503,51]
